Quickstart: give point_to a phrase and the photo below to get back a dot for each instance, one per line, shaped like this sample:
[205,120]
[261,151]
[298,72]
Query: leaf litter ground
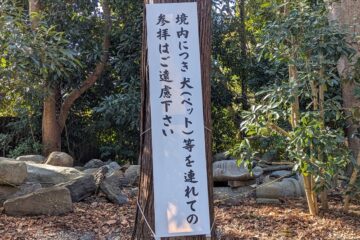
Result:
[96,218]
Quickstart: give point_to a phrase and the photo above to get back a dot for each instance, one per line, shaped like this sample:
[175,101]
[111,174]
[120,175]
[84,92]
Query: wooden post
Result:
[145,215]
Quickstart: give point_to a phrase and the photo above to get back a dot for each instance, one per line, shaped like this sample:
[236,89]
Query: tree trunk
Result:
[243,70]
[51,134]
[346,13]
[146,196]
[34,11]
[55,113]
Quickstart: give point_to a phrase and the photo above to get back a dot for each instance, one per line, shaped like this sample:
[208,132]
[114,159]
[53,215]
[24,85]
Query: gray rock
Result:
[12,172]
[7,159]
[48,175]
[133,174]
[7,192]
[241,183]
[267,201]
[46,201]
[112,187]
[91,171]
[94,163]
[277,168]
[80,187]
[232,195]
[221,156]
[60,159]
[286,188]
[281,174]
[228,170]
[31,158]
[113,166]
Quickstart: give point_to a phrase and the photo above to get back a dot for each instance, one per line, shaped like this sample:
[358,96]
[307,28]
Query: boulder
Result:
[12,172]
[286,188]
[46,201]
[232,195]
[267,201]
[112,167]
[80,187]
[133,174]
[60,159]
[7,159]
[241,183]
[48,175]
[91,171]
[94,163]
[7,192]
[31,158]
[281,174]
[112,187]
[221,156]
[228,170]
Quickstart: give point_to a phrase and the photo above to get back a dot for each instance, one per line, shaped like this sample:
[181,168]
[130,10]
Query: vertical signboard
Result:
[178,140]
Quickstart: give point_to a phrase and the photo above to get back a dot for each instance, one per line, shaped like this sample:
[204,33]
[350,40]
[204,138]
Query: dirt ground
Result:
[96,218]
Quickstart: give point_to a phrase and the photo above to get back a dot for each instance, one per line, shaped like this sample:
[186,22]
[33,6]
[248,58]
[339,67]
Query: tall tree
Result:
[146,196]
[244,61]
[56,109]
[346,13]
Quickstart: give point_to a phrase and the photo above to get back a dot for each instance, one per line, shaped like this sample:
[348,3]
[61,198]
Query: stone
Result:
[94,163]
[60,159]
[48,175]
[7,192]
[221,156]
[80,187]
[228,170]
[281,174]
[132,173]
[267,201]
[12,172]
[31,158]
[277,168]
[91,171]
[112,187]
[113,166]
[232,195]
[46,201]
[235,184]
[286,188]
[7,159]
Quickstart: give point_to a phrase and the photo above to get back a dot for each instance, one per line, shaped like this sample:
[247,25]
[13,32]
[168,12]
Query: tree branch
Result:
[94,76]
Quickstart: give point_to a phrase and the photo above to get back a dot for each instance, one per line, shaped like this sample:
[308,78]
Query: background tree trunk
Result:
[55,112]
[243,70]
[346,13]
[146,196]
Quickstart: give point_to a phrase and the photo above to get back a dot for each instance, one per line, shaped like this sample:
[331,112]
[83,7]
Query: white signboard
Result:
[178,141]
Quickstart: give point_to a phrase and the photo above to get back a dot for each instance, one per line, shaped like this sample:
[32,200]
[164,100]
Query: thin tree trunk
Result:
[51,135]
[295,115]
[321,89]
[55,113]
[243,70]
[34,11]
[146,196]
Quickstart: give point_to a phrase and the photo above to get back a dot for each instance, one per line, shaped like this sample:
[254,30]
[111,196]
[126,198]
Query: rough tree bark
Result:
[56,112]
[146,196]
[346,13]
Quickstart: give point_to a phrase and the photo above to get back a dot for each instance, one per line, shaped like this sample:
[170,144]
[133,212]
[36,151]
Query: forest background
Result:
[284,83]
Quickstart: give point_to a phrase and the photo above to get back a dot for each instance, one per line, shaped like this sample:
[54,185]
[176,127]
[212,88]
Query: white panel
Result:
[178,141]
